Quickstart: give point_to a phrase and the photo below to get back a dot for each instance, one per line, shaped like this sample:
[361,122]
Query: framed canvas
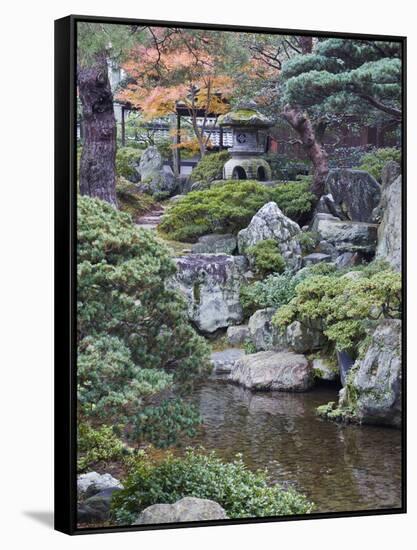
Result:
[230,274]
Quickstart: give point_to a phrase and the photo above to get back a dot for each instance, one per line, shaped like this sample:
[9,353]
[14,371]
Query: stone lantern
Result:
[248,143]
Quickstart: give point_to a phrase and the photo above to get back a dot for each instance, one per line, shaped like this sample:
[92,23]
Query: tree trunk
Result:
[306,43]
[300,122]
[98,159]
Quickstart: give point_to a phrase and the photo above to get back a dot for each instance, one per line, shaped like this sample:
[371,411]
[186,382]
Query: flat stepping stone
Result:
[315,258]
[274,371]
[151,220]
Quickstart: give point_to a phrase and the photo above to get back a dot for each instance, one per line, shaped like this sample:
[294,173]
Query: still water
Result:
[339,468]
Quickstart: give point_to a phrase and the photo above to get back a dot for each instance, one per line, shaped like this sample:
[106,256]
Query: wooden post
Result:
[221,138]
[178,142]
[123,127]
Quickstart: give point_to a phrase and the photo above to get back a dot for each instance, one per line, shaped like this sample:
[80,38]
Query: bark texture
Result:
[306,44]
[300,122]
[97,165]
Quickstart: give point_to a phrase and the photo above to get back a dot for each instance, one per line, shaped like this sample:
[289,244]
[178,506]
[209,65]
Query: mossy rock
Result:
[131,200]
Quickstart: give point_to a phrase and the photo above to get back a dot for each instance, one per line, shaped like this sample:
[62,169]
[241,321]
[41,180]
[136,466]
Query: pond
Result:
[339,468]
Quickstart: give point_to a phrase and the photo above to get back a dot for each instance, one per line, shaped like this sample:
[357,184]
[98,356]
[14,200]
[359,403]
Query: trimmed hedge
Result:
[230,206]
[210,167]
[374,162]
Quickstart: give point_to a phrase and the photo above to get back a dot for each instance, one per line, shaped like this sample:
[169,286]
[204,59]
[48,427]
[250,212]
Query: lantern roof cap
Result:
[245,114]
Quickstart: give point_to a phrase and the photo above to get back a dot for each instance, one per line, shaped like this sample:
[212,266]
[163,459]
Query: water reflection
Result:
[340,468]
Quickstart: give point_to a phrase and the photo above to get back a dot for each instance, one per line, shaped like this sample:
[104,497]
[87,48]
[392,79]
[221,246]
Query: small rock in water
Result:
[269,370]
[96,508]
[223,361]
[94,483]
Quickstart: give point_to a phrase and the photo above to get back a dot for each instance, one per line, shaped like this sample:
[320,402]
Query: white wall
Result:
[27,266]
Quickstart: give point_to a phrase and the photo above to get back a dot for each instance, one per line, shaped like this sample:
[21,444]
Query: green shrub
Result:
[132,201]
[163,424]
[98,446]
[135,341]
[239,491]
[344,306]
[277,290]
[126,160]
[274,291]
[286,168]
[165,148]
[265,257]
[308,241]
[374,162]
[249,347]
[110,384]
[210,167]
[230,207]
[226,208]
[294,198]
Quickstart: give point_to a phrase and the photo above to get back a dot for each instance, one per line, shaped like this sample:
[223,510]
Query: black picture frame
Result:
[65,272]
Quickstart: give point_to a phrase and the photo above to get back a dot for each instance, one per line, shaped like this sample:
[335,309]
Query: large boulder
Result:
[345,362]
[325,369]
[346,236]
[389,214]
[186,509]
[223,361]
[261,330]
[237,335]
[150,162]
[316,258]
[215,244]
[301,338]
[296,337]
[91,483]
[270,370]
[374,385]
[211,286]
[155,179]
[96,508]
[270,223]
[354,194]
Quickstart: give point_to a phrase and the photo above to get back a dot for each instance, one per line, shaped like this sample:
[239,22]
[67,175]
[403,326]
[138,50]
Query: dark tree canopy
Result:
[347,76]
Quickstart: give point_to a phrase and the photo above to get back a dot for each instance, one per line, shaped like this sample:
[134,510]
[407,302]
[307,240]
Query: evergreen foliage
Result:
[210,167]
[346,307]
[274,291]
[135,342]
[132,201]
[265,257]
[98,446]
[126,160]
[239,491]
[308,241]
[346,76]
[374,162]
[230,206]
